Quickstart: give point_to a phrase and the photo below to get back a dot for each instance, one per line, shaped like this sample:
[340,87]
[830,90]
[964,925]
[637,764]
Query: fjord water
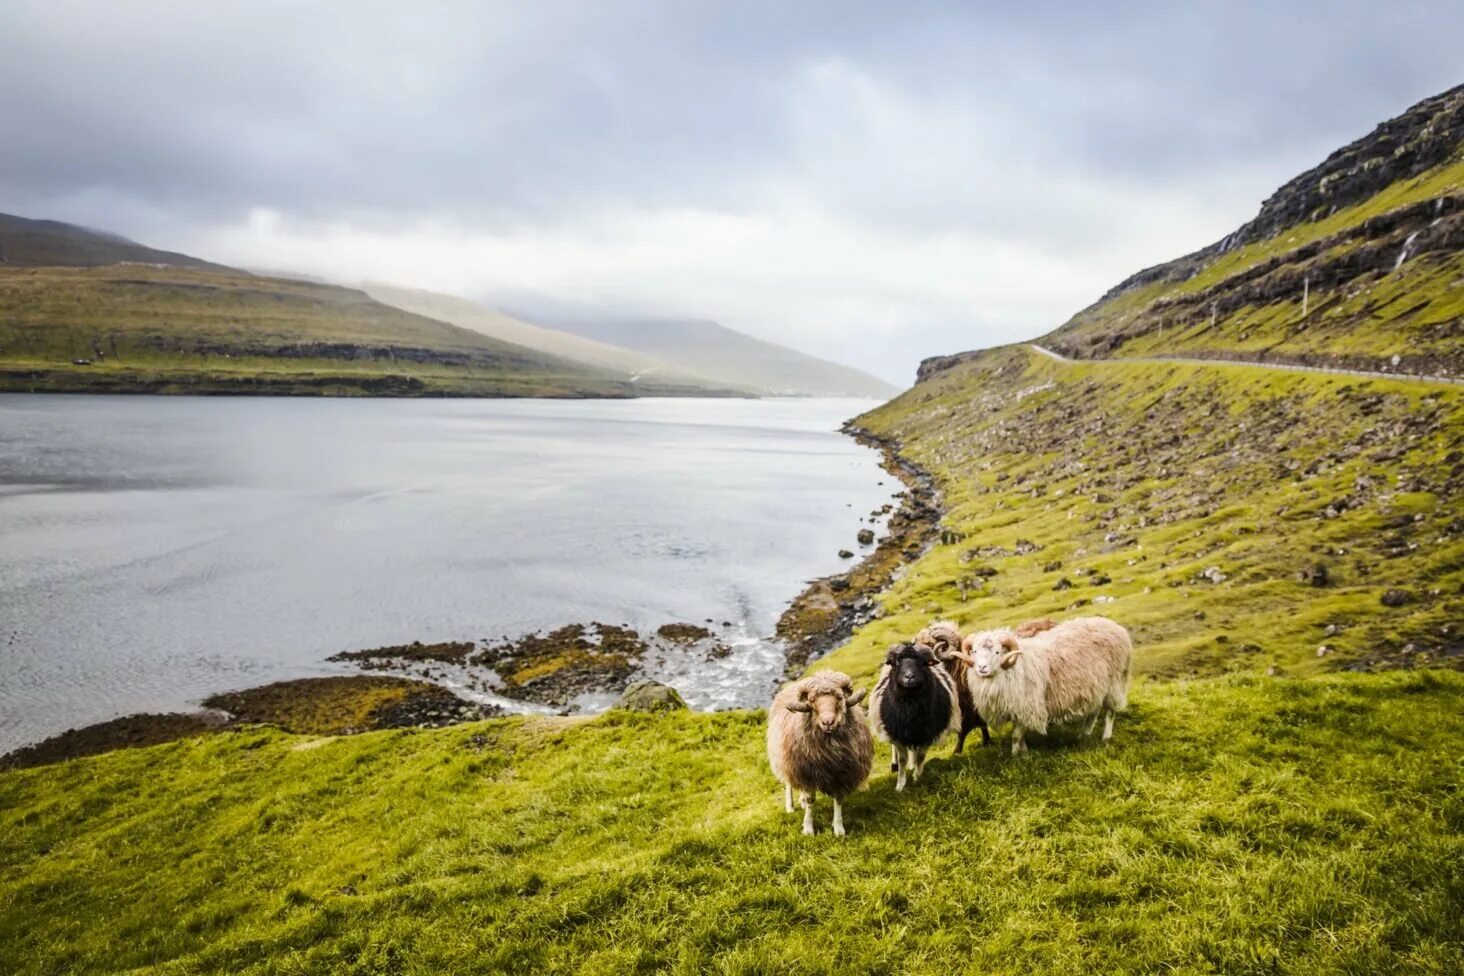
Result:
[154,550]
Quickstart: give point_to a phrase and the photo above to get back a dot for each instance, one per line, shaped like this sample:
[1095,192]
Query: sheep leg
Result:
[961,740]
[787,797]
[1092,721]
[1107,724]
[1019,742]
[807,800]
[838,818]
[919,763]
[894,758]
[904,762]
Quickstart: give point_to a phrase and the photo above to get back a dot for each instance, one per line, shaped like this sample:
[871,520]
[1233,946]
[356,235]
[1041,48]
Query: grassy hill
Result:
[1239,825]
[168,329]
[1352,263]
[50,243]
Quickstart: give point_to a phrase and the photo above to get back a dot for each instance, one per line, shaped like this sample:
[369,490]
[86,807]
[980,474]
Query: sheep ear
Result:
[1009,641]
[799,706]
[1009,658]
[856,698]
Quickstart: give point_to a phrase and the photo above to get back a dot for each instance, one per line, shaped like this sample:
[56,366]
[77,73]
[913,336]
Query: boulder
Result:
[649,696]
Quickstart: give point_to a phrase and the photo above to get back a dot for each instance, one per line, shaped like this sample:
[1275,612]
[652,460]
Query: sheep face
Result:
[991,651]
[910,666]
[827,706]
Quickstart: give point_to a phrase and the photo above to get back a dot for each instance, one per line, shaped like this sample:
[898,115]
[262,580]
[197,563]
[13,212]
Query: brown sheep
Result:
[819,742]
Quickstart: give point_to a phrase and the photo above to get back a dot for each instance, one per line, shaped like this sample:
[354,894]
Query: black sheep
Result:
[915,703]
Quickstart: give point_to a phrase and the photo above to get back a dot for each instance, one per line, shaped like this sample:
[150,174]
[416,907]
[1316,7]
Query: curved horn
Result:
[958,656]
[1009,658]
[799,706]
[856,698]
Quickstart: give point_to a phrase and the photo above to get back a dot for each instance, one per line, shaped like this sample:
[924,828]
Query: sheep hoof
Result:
[838,830]
[808,830]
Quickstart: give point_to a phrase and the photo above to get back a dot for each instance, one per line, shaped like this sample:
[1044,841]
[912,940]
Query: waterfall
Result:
[1403,254]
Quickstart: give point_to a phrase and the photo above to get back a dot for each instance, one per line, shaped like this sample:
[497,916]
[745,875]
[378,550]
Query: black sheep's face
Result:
[910,665]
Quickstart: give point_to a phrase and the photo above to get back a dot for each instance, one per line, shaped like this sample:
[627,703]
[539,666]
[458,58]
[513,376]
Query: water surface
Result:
[155,550]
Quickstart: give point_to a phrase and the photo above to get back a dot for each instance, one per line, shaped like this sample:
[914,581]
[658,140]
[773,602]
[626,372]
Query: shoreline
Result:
[546,669]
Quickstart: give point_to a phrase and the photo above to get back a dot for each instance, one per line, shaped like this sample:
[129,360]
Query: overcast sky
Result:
[872,183]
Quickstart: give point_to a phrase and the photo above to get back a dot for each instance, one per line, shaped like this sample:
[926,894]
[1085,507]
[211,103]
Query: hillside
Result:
[624,363]
[1355,262]
[1239,825]
[44,243]
[160,329]
[713,350]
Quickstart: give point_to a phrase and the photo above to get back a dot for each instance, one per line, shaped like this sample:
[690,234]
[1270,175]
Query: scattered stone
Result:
[1104,599]
[1323,650]
[1213,574]
[845,554]
[1316,576]
[678,633]
[1395,598]
[1199,615]
[1052,567]
[866,537]
[1330,630]
[650,696]
[1063,584]
[1100,579]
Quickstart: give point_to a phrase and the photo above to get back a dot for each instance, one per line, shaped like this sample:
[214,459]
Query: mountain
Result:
[48,243]
[1352,263]
[626,363]
[86,311]
[716,351]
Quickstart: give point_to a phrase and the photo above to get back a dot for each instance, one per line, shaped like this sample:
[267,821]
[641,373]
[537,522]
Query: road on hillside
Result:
[1368,374]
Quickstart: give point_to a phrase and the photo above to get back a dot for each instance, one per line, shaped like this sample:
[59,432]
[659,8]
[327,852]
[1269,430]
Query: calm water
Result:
[155,550]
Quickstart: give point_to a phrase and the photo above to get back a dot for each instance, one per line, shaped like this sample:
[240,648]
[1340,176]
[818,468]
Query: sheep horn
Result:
[799,706]
[857,697]
[957,656]
[1009,658]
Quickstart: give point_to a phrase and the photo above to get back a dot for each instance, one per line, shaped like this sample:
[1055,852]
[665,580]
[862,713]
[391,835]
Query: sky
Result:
[873,183]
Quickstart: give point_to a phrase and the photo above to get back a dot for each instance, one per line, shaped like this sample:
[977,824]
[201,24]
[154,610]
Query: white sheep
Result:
[818,742]
[1078,670]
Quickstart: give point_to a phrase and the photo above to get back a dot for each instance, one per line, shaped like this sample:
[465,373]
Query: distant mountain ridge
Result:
[713,350]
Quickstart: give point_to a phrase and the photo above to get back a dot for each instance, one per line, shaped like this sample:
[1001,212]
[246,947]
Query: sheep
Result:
[914,705]
[818,742]
[944,638]
[1077,670]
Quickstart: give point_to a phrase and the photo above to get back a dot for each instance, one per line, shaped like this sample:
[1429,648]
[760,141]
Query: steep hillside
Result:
[1353,263]
[139,328]
[37,243]
[625,363]
[713,350]
[1236,518]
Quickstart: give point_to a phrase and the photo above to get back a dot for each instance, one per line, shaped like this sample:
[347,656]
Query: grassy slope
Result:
[1149,474]
[1239,825]
[175,329]
[1415,310]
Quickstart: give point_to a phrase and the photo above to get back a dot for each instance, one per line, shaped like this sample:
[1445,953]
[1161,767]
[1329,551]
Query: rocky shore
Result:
[831,608]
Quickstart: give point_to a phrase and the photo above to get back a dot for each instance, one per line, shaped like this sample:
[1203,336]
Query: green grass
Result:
[1235,825]
[1149,474]
[176,330]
